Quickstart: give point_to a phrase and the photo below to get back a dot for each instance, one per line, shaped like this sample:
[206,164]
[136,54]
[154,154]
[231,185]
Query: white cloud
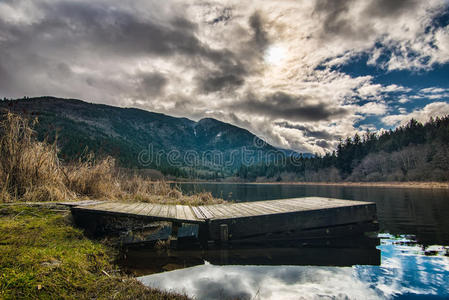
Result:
[433,90]
[394,88]
[435,109]
[373,108]
[403,100]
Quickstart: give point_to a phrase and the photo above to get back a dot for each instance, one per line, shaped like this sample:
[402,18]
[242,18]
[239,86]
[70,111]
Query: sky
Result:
[299,74]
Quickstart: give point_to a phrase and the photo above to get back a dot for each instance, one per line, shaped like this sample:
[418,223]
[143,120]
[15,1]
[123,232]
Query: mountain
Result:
[142,139]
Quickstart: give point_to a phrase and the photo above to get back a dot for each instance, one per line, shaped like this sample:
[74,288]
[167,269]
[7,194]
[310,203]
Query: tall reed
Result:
[30,170]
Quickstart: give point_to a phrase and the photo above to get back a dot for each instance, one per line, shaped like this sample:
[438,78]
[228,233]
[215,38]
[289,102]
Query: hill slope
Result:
[142,139]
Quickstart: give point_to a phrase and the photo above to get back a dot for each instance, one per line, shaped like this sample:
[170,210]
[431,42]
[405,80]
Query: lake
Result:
[407,260]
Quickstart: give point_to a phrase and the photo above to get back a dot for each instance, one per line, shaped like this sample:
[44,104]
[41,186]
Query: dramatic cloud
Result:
[276,69]
[284,106]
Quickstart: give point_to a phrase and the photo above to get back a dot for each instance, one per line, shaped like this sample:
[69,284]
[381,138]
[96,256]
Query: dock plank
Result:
[190,215]
[171,211]
[118,207]
[100,206]
[253,209]
[241,211]
[157,210]
[147,209]
[163,213]
[206,212]
[217,211]
[134,210]
[198,213]
[180,212]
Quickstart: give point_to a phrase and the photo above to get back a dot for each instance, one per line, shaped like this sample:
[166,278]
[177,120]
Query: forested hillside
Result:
[415,152]
[139,139]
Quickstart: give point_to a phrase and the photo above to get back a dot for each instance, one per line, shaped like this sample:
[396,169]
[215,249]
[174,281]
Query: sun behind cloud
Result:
[275,55]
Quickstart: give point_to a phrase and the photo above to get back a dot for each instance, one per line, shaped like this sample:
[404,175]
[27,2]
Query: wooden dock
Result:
[232,221]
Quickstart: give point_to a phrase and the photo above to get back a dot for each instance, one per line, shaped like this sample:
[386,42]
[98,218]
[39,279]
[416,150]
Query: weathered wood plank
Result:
[242,211]
[217,211]
[189,213]
[157,210]
[118,207]
[180,212]
[229,210]
[255,211]
[272,207]
[101,206]
[171,211]
[134,210]
[164,211]
[206,212]
[147,209]
[198,213]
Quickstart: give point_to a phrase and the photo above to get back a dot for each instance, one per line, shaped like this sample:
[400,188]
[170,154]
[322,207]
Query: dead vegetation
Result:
[31,171]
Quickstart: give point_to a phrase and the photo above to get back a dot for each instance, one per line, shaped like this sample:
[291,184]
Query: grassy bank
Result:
[44,256]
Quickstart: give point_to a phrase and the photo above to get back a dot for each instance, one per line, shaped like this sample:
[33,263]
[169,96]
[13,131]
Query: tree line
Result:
[413,152]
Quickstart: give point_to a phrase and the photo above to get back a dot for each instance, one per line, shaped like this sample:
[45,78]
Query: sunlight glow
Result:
[274,55]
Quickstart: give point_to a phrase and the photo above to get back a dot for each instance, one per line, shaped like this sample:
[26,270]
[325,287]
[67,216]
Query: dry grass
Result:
[31,171]
[28,169]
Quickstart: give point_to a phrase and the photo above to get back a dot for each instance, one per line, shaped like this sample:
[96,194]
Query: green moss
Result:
[43,256]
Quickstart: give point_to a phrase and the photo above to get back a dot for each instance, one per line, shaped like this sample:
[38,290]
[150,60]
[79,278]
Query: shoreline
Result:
[387,184]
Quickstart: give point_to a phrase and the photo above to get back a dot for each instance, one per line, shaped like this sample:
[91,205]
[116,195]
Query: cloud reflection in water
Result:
[405,271]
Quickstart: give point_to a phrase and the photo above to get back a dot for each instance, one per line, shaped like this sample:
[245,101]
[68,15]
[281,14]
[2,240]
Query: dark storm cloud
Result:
[231,74]
[338,23]
[218,81]
[320,134]
[118,31]
[337,20]
[323,144]
[83,28]
[333,12]
[295,108]
[234,68]
[260,36]
[390,8]
[153,84]
[101,28]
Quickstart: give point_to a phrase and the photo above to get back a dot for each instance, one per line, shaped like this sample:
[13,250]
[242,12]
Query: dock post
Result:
[174,235]
[224,233]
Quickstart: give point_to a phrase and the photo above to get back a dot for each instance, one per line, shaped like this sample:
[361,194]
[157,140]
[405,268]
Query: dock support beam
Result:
[174,234]
[224,233]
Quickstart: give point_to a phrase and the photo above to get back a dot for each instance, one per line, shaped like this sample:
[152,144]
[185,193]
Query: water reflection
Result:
[317,252]
[405,271]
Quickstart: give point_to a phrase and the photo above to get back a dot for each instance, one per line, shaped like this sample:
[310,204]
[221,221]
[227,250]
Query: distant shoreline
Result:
[410,184]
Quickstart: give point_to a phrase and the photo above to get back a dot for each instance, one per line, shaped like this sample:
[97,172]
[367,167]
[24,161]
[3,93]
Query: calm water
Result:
[408,260]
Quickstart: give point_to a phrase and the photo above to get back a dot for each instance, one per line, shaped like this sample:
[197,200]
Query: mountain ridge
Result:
[125,133]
